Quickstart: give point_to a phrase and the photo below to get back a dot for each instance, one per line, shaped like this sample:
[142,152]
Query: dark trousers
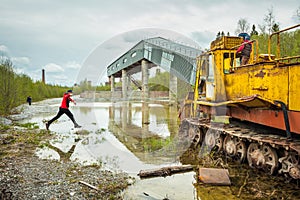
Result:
[60,113]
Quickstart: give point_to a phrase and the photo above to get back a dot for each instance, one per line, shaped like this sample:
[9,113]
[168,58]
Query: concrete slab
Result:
[214,176]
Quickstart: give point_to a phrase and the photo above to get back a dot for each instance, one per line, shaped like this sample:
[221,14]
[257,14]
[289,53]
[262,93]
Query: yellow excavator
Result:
[250,111]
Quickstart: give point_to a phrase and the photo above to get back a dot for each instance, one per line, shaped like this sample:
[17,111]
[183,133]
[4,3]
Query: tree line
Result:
[269,25]
[15,88]
[289,41]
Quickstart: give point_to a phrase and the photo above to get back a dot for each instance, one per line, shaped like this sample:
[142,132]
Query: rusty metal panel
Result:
[214,176]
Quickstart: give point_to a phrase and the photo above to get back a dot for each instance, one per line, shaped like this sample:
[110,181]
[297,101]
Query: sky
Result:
[77,40]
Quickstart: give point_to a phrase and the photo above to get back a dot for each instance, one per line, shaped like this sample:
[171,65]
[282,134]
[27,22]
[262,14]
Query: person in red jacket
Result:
[64,109]
[245,50]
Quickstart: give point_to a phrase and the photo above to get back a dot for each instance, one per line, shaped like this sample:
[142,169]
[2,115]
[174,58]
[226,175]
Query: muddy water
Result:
[133,136]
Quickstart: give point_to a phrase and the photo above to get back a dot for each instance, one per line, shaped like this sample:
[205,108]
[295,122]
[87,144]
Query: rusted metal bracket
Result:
[286,119]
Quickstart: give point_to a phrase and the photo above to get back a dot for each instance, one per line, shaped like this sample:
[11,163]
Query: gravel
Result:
[28,177]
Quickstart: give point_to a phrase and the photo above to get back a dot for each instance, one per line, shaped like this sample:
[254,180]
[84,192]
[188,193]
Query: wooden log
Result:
[89,185]
[165,171]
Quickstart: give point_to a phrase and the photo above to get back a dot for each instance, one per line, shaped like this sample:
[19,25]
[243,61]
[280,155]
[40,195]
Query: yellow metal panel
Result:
[267,81]
[270,82]
[226,42]
[220,91]
[237,84]
[294,87]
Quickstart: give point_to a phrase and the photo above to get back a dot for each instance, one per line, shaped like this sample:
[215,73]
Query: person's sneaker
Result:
[47,125]
[77,126]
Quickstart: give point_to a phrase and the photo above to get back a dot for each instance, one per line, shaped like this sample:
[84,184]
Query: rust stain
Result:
[260,74]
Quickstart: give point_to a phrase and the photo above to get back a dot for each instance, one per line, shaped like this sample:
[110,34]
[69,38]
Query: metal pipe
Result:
[286,119]
[278,38]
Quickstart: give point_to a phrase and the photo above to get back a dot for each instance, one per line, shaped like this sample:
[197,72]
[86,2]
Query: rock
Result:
[5,121]
[6,138]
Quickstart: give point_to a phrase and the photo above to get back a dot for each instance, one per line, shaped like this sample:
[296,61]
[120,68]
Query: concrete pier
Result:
[145,79]
[124,84]
[173,88]
[112,83]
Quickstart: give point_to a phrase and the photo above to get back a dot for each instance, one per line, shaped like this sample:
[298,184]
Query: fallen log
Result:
[165,171]
[89,185]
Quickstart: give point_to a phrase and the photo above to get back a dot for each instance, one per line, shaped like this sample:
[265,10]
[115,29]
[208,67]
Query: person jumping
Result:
[64,109]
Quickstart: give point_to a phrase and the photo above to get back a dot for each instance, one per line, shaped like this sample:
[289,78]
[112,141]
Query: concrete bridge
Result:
[176,58]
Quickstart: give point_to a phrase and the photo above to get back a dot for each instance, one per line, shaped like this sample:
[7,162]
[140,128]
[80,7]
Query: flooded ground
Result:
[134,136]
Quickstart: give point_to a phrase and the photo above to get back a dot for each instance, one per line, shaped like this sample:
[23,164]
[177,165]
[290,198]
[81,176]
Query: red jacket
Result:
[66,100]
[246,51]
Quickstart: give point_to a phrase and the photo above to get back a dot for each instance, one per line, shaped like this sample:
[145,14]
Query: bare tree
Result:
[270,21]
[262,28]
[297,15]
[242,26]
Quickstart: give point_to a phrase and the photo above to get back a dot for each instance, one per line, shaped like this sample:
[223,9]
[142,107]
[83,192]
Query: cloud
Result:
[3,49]
[72,65]
[20,60]
[203,38]
[60,77]
[51,67]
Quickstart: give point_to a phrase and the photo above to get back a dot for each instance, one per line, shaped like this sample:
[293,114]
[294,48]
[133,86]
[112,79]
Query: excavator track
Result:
[259,148]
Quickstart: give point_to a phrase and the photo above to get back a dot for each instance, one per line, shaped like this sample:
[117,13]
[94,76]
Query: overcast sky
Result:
[74,40]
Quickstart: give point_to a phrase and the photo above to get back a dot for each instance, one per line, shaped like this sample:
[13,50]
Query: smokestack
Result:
[43,75]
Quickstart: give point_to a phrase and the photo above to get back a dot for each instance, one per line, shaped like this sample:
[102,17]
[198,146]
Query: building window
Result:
[133,54]
[168,56]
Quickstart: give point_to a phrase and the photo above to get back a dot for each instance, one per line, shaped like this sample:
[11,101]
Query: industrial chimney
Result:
[43,75]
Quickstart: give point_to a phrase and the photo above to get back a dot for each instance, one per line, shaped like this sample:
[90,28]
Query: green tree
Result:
[253,32]
[275,28]
[8,87]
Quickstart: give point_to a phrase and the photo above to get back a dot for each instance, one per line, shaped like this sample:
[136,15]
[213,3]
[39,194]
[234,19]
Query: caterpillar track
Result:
[246,144]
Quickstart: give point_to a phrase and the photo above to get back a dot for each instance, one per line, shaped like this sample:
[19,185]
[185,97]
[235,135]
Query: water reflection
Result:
[132,131]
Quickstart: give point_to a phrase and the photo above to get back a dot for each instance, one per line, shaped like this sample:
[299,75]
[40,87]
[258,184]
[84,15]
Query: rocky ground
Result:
[24,176]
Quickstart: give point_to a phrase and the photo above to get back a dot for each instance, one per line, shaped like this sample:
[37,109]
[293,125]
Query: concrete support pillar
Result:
[145,79]
[129,113]
[173,88]
[112,83]
[124,84]
[173,120]
[112,112]
[124,115]
[145,119]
